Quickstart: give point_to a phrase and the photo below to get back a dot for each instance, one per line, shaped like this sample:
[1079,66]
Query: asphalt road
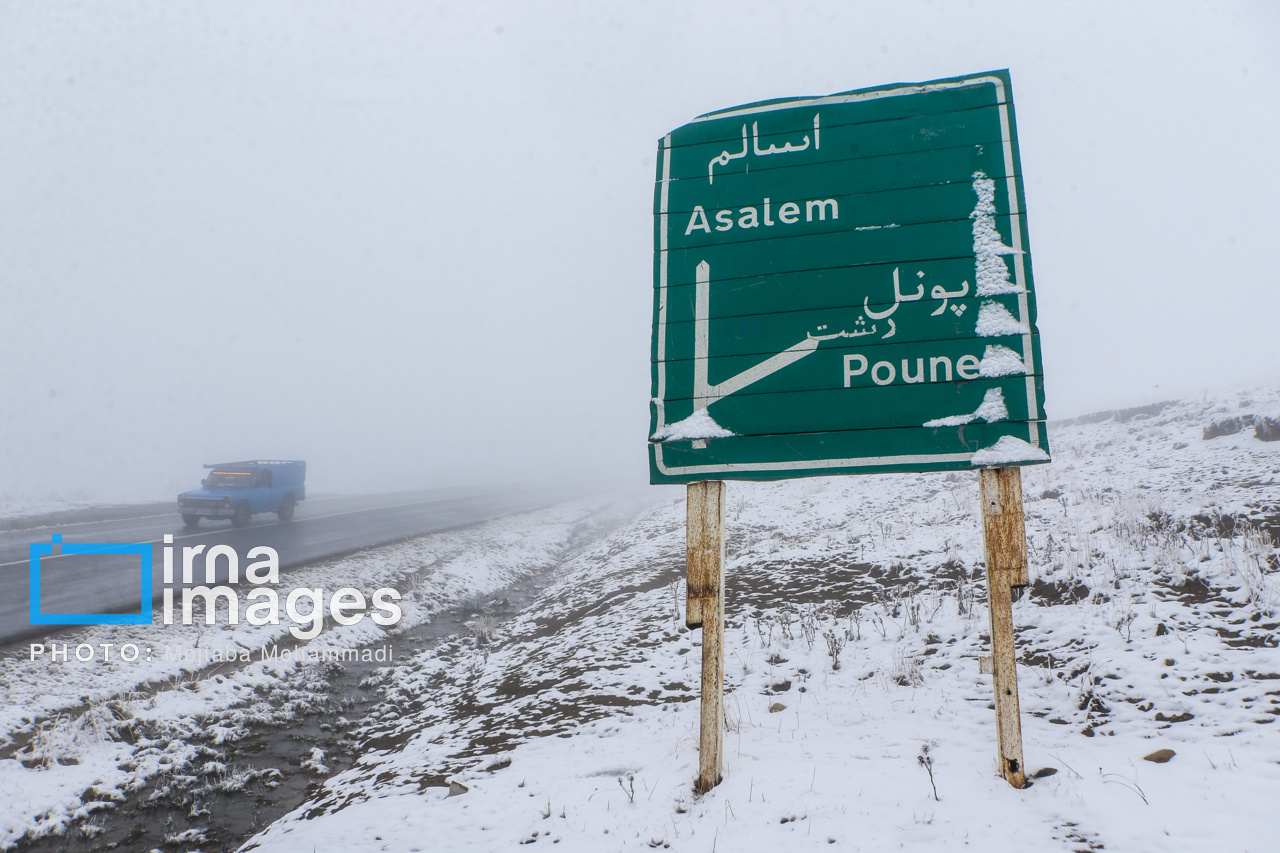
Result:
[322,528]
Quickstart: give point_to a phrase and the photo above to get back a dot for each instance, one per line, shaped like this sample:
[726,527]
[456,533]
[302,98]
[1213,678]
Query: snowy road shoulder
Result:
[77,736]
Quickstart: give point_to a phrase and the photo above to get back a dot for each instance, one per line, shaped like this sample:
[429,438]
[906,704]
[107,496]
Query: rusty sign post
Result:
[704,538]
[1005,536]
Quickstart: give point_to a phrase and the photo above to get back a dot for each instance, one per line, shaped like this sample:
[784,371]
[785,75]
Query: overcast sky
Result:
[411,242]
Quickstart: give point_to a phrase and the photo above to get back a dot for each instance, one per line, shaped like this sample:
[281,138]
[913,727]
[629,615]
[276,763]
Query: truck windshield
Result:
[229,480]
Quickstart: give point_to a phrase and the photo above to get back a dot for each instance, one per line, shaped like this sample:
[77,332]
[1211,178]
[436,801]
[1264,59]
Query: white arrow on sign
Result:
[705,393]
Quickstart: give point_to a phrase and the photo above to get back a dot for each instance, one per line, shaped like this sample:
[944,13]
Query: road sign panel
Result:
[843,285]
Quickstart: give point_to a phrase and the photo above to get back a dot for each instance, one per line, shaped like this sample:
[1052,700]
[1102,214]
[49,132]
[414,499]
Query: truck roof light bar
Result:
[256,463]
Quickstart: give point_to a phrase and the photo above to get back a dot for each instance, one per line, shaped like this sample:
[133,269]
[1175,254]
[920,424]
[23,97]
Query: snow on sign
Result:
[843,285]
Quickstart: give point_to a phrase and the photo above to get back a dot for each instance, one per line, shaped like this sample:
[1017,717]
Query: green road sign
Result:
[843,285]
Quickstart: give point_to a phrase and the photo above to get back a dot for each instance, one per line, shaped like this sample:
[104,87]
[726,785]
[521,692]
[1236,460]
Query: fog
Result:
[411,243]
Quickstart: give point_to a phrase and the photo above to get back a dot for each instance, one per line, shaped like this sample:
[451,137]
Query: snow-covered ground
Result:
[16,506]
[857,713]
[77,736]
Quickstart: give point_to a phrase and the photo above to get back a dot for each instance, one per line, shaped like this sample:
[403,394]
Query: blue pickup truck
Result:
[238,490]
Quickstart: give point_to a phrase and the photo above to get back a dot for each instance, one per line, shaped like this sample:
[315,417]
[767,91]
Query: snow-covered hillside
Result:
[857,713]
[1150,625]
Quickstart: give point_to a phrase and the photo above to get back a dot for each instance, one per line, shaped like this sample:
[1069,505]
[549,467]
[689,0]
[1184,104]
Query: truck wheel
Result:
[285,512]
[191,520]
[241,518]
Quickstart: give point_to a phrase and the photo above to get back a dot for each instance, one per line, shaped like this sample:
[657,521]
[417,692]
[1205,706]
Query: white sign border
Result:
[1019,276]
